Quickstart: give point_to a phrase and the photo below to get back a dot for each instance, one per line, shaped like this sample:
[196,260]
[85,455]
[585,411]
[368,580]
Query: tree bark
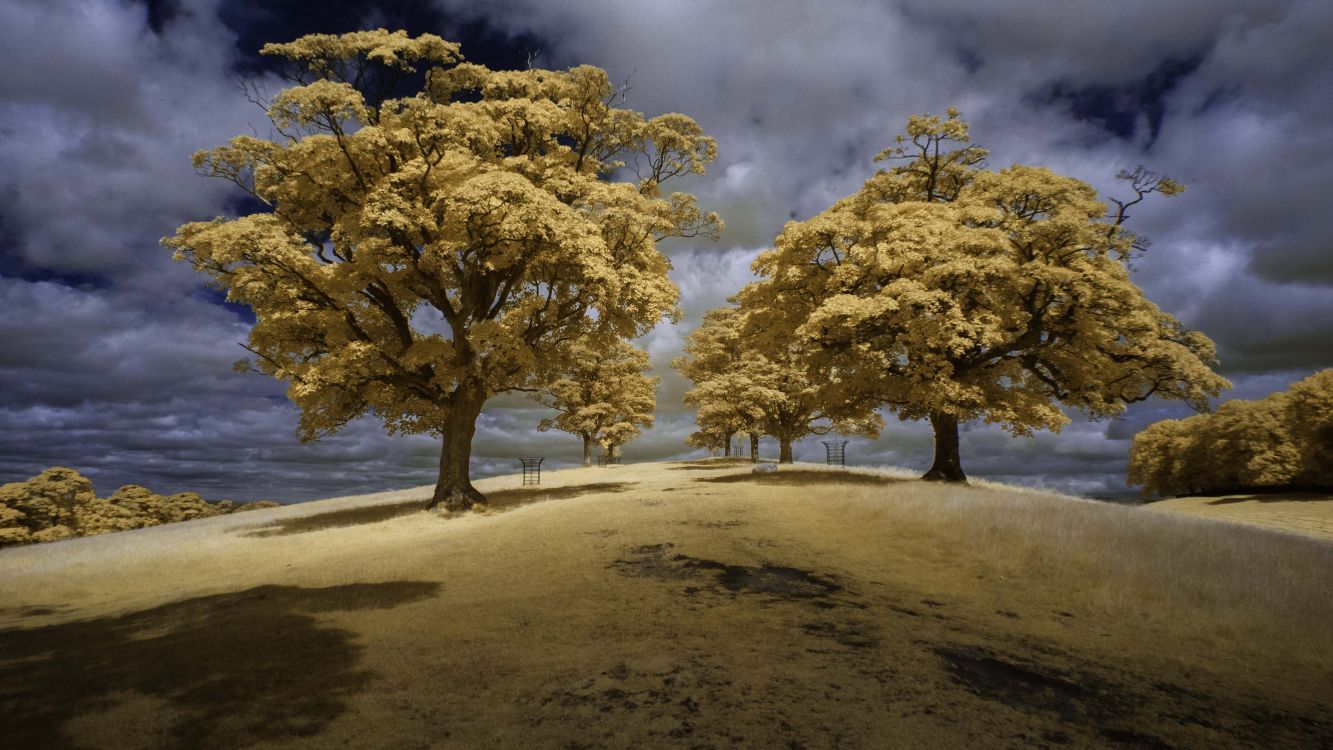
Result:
[784,450]
[454,488]
[754,447]
[726,450]
[587,450]
[947,466]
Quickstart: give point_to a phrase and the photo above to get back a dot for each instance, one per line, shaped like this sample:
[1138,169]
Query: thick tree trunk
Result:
[947,466]
[754,447]
[726,451]
[587,450]
[454,488]
[784,450]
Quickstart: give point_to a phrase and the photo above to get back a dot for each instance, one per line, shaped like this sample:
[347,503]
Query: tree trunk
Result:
[587,450]
[784,450]
[454,488]
[754,447]
[726,450]
[947,466]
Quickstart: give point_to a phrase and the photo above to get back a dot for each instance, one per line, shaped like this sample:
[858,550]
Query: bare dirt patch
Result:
[775,582]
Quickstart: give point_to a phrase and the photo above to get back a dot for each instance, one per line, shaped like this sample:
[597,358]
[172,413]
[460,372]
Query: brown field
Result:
[675,605]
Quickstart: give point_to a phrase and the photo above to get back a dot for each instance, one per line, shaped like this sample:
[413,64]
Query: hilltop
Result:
[690,604]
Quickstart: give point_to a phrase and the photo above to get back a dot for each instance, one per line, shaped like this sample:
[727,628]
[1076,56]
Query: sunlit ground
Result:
[688,604]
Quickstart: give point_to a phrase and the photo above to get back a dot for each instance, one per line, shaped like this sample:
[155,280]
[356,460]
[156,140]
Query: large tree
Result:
[420,253]
[957,293]
[604,398]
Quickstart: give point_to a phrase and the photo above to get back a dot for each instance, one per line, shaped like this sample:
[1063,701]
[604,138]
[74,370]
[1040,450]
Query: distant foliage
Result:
[60,503]
[746,378]
[605,397]
[1284,440]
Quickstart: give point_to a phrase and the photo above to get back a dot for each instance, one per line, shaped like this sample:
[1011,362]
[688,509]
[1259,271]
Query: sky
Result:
[116,361]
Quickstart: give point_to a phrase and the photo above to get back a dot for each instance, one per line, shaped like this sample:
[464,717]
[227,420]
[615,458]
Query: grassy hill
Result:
[1300,512]
[690,604]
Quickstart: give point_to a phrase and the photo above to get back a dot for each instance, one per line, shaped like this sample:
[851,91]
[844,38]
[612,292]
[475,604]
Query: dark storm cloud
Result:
[117,360]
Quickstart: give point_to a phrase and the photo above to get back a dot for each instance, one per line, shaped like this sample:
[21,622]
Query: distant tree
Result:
[1162,457]
[1284,440]
[1248,445]
[711,440]
[422,253]
[1308,416]
[954,293]
[804,389]
[604,398]
[732,384]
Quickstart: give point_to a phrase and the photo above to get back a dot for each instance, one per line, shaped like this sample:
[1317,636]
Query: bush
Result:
[60,503]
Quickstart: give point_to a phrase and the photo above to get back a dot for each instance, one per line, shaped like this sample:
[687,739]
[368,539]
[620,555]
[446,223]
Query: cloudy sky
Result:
[117,361]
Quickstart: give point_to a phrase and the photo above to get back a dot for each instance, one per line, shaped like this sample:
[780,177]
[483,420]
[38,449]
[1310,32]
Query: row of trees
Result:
[437,233]
[946,291]
[1282,441]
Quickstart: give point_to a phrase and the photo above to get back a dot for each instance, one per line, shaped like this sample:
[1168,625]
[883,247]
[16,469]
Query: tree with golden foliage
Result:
[422,253]
[732,384]
[747,379]
[1308,415]
[956,293]
[1282,441]
[804,393]
[605,398]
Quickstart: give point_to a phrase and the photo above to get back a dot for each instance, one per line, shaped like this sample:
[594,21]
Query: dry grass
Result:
[1300,512]
[806,608]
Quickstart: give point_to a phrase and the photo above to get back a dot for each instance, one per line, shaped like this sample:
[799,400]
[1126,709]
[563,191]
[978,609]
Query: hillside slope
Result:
[1301,512]
[692,604]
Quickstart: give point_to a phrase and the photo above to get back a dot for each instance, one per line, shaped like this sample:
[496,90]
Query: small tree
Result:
[605,397]
[806,393]
[422,253]
[732,384]
[713,441]
[954,293]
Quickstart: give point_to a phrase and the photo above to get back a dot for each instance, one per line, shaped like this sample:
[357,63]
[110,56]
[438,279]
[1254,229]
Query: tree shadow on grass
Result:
[233,669]
[705,464]
[500,500]
[804,478]
[1275,497]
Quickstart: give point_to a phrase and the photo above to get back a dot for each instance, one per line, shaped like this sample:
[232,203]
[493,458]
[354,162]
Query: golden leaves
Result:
[463,236]
[981,294]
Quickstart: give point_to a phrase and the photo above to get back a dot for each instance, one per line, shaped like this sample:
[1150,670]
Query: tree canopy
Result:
[956,293]
[1282,441]
[420,253]
[604,398]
